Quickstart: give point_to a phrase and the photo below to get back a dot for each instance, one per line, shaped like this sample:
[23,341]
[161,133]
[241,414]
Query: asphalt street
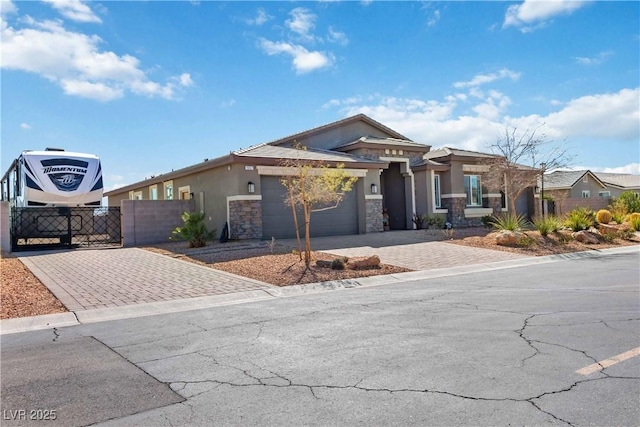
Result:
[549,344]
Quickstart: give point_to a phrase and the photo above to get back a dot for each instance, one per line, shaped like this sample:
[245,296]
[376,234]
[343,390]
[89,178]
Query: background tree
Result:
[520,158]
[313,186]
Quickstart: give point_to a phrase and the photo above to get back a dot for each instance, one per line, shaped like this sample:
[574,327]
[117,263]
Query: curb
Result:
[49,321]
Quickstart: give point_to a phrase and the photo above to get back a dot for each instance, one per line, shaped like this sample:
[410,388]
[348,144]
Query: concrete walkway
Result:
[102,278]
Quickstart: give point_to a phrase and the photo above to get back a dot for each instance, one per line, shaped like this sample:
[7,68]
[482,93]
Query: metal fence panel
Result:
[35,228]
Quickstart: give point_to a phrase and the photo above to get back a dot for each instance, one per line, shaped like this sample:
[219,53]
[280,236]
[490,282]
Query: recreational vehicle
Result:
[53,177]
[55,195]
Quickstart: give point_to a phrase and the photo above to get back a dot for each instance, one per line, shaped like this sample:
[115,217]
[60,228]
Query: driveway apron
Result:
[99,278]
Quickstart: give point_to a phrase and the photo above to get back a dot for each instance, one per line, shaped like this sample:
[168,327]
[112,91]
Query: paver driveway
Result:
[99,278]
[411,249]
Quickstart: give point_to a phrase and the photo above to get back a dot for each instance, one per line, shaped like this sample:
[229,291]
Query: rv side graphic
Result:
[53,178]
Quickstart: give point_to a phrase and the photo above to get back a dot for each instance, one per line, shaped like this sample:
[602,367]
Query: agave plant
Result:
[510,221]
[547,224]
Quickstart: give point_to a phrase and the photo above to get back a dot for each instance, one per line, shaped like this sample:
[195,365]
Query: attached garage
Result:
[277,218]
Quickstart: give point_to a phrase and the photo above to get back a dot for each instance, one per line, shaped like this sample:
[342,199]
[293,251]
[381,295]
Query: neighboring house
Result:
[394,174]
[569,189]
[617,183]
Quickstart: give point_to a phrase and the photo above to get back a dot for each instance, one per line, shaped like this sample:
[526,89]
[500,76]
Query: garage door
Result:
[277,218]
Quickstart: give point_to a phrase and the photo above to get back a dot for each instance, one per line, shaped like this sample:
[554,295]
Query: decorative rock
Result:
[360,263]
[508,238]
[586,237]
[606,229]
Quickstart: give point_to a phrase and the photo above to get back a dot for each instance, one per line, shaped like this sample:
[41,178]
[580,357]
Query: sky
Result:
[153,86]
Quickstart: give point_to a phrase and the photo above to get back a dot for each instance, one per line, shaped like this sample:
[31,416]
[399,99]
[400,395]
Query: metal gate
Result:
[37,228]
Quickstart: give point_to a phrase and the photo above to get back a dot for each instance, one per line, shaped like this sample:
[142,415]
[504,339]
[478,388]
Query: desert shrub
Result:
[194,230]
[486,221]
[579,219]
[337,264]
[634,221]
[565,237]
[547,224]
[434,221]
[604,216]
[618,215]
[629,200]
[418,220]
[526,241]
[510,222]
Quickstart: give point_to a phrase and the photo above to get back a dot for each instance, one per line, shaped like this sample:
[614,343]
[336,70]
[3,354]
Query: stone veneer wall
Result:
[245,219]
[374,215]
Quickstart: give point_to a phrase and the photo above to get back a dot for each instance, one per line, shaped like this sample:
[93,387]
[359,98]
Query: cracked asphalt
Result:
[499,347]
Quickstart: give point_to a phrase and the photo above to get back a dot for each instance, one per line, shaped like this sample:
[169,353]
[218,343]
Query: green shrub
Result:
[604,216]
[194,230]
[547,224]
[629,200]
[434,221]
[634,222]
[509,221]
[579,219]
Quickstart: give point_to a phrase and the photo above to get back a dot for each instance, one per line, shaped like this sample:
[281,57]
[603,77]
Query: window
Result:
[473,190]
[436,191]
[605,194]
[153,192]
[168,191]
[586,194]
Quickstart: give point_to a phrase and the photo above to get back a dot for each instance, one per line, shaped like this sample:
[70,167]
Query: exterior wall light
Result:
[251,187]
[374,189]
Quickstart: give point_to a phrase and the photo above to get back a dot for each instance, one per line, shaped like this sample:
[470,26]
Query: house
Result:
[394,174]
[594,190]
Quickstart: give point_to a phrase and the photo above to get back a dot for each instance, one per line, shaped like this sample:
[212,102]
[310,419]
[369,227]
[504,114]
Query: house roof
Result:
[623,181]
[338,123]
[378,141]
[559,180]
[267,151]
[449,151]
[430,164]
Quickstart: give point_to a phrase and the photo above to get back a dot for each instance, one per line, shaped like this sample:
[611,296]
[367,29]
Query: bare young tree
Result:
[313,186]
[520,158]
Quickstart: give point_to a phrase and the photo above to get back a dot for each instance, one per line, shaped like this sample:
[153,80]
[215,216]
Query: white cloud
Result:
[304,60]
[609,115]
[533,14]
[75,62]
[74,10]
[302,22]
[337,37]
[631,168]
[482,79]
[260,19]
[601,117]
[434,18]
[25,126]
[7,7]
[595,60]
